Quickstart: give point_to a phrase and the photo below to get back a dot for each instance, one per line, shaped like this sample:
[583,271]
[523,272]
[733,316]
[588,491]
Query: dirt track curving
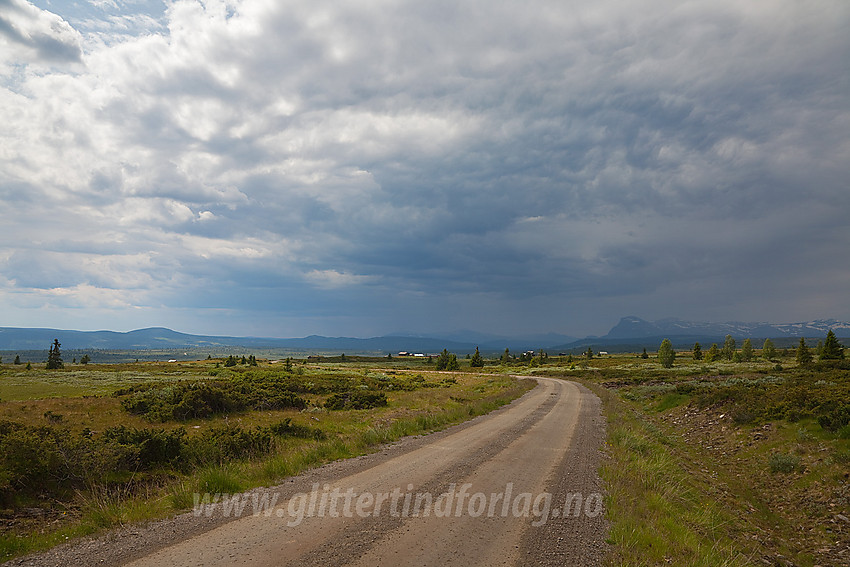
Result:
[516,487]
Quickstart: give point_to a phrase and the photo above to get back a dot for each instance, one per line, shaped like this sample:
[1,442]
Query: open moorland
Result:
[89,447]
[724,462]
[741,460]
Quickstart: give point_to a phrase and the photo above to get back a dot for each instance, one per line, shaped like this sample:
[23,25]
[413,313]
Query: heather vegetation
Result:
[735,456]
[730,455]
[88,446]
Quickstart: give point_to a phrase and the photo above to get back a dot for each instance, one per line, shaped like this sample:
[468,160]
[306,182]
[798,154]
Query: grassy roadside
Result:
[664,508]
[348,433]
[724,464]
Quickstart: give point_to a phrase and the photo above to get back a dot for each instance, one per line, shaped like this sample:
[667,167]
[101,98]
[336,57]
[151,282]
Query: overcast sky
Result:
[289,167]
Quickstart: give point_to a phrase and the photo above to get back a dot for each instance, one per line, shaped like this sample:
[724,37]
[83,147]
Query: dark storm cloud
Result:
[466,158]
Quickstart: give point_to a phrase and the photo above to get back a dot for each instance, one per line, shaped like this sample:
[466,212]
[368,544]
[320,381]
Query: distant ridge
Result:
[630,333]
[159,338]
[634,327]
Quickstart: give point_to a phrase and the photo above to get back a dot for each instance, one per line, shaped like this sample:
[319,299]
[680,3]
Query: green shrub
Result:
[779,462]
[836,418]
[193,400]
[286,428]
[356,400]
[153,446]
[221,444]
[30,458]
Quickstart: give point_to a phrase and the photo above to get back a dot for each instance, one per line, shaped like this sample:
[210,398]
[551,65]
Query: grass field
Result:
[77,405]
[723,464]
[719,464]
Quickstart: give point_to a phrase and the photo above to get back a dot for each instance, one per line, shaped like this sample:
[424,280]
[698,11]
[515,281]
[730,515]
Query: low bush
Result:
[779,462]
[192,400]
[286,428]
[356,399]
[52,460]
[222,444]
[834,419]
[152,446]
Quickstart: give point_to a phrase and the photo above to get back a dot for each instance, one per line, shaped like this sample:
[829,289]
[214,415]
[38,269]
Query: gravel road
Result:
[515,487]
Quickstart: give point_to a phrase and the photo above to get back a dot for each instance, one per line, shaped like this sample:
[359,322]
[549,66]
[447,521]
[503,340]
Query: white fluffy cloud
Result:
[309,157]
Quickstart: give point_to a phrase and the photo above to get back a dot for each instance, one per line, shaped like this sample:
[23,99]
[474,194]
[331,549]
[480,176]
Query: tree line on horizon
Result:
[826,350]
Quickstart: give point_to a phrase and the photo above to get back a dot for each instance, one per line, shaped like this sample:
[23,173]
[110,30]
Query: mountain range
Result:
[629,334]
[635,327]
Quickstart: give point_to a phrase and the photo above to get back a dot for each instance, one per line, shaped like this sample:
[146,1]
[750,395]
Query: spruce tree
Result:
[832,349]
[476,361]
[747,350]
[729,347]
[697,351]
[713,353]
[768,351]
[442,360]
[644,355]
[54,356]
[804,355]
[666,354]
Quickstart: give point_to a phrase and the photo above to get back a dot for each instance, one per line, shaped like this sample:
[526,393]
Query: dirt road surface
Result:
[516,487]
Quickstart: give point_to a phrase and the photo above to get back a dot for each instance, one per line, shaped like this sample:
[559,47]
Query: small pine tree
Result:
[832,349]
[453,363]
[569,359]
[231,361]
[589,353]
[697,351]
[476,361]
[29,365]
[747,350]
[85,359]
[54,356]
[389,356]
[768,350]
[666,354]
[713,353]
[804,355]
[506,356]
[728,347]
[287,364]
[442,360]
[644,355]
